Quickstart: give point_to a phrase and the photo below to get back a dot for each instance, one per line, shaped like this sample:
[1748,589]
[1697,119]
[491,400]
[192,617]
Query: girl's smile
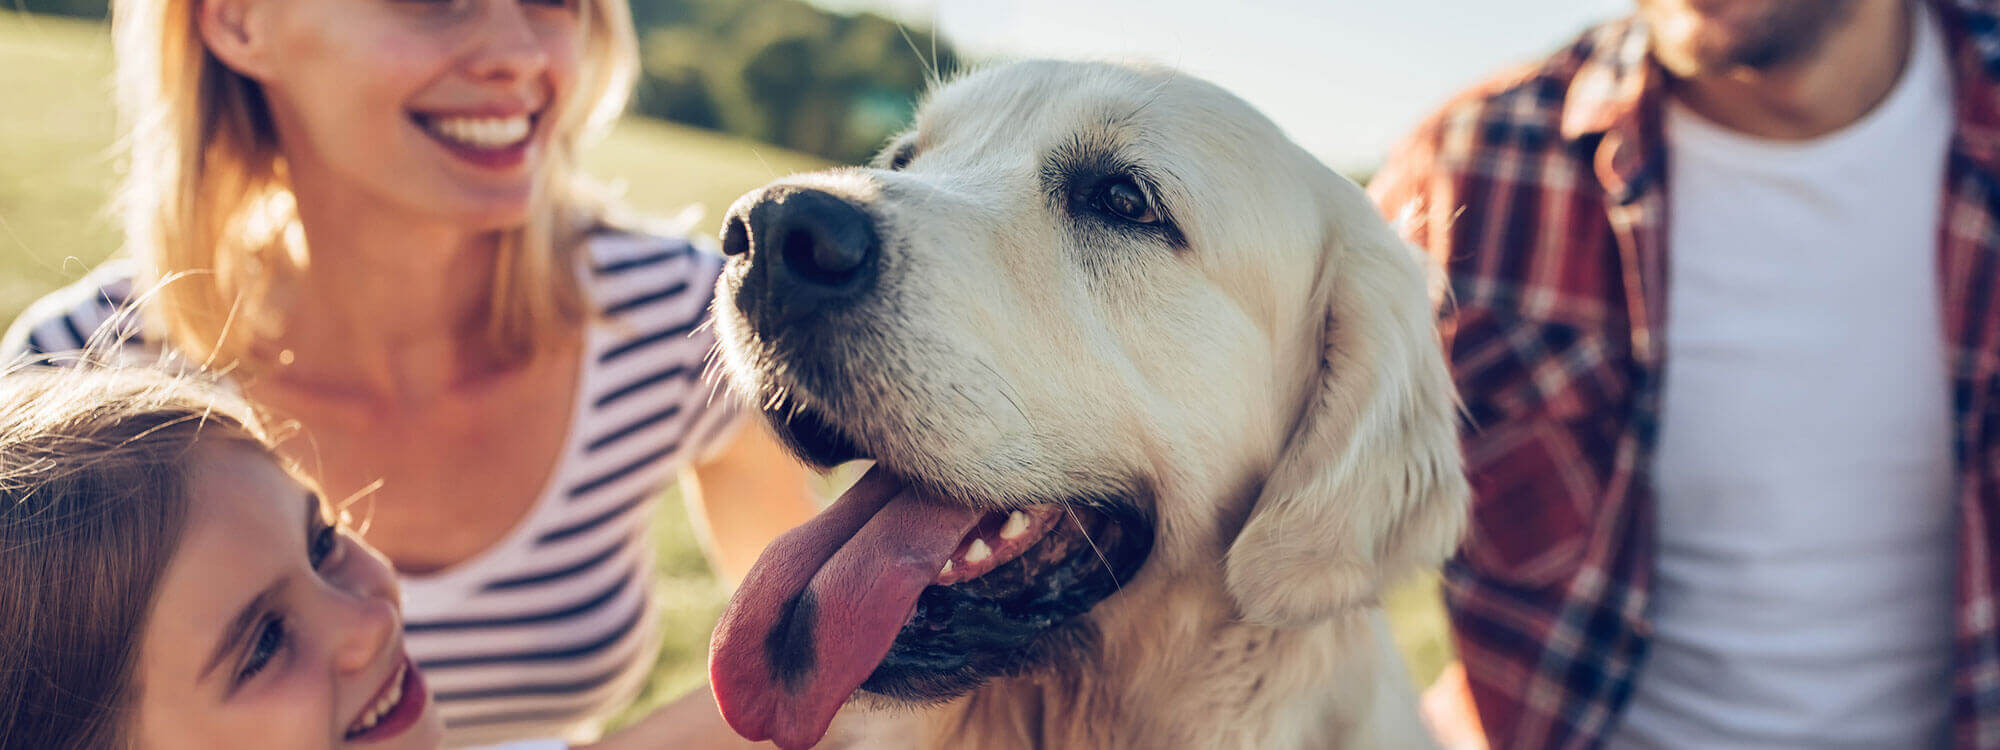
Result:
[395,709]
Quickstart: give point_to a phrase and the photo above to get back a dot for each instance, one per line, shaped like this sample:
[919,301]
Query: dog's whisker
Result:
[1005,392]
[1108,570]
[930,66]
[976,406]
[937,66]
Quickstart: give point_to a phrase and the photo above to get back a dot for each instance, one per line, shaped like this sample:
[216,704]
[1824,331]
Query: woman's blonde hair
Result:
[94,495]
[205,200]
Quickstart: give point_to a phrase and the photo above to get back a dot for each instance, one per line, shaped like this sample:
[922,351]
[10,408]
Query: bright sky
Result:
[1344,77]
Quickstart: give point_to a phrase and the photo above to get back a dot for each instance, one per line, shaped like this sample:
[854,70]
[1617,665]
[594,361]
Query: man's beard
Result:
[1780,34]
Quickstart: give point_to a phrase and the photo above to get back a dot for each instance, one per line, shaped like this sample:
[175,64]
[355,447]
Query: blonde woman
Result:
[368,213]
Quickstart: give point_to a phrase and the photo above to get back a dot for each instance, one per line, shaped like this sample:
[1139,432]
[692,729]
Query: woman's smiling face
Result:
[273,628]
[441,109]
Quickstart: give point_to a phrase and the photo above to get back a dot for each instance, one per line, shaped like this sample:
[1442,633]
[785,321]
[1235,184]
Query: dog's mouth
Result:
[900,591]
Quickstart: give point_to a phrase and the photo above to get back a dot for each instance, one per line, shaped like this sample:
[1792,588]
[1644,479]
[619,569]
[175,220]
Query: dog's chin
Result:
[811,436]
[1026,613]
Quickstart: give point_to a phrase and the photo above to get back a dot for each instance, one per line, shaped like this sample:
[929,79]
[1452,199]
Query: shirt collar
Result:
[1614,82]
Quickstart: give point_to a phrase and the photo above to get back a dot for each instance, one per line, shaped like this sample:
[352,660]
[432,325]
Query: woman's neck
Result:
[384,307]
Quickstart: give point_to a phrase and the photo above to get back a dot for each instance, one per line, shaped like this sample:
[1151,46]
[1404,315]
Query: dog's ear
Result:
[1370,485]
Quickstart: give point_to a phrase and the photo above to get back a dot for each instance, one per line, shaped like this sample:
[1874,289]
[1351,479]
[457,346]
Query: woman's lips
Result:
[493,141]
[396,707]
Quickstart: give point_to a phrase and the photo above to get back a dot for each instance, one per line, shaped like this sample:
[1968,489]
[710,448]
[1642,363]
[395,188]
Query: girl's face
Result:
[436,108]
[272,628]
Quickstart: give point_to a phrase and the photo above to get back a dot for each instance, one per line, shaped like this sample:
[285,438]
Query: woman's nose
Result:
[509,47]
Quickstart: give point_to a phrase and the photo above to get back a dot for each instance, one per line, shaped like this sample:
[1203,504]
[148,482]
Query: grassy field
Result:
[57,168]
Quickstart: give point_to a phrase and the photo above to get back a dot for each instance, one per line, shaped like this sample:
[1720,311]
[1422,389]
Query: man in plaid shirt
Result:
[1766,513]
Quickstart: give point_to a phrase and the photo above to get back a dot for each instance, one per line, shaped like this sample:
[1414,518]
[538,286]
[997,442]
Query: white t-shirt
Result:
[1806,545]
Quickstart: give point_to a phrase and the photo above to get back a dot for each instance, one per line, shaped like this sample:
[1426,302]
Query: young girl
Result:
[168,581]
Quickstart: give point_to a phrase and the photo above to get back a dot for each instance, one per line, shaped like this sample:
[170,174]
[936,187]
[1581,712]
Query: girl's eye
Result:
[323,544]
[269,640]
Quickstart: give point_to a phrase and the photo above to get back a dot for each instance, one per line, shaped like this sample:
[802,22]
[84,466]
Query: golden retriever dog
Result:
[1156,409]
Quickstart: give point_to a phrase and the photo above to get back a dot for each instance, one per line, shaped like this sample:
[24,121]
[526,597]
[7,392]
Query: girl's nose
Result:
[367,608]
[366,626]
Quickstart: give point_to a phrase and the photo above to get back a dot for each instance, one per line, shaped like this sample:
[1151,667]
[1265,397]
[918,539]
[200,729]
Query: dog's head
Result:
[1099,326]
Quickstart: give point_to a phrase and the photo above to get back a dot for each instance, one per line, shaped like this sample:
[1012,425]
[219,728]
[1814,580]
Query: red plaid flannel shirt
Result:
[1542,193]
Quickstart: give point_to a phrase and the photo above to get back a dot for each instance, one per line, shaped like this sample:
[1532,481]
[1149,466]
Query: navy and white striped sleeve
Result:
[55,328]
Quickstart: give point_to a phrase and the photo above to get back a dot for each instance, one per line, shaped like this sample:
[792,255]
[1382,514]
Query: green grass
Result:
[57,170]
[55,161]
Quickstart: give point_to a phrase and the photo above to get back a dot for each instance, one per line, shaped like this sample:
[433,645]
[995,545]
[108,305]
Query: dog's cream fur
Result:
[1273,380]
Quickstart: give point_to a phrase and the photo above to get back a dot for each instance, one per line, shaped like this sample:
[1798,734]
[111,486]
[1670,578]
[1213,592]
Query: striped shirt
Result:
[551,629]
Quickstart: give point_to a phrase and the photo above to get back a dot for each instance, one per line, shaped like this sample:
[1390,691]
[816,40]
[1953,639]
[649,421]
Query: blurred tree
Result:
[786,72]
[78,8]
[782,71]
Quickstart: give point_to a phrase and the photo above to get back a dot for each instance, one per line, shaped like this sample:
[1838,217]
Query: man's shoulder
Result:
[1518,107]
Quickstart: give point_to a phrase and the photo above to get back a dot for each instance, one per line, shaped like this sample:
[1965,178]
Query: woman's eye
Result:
[1121,197]
[270,639]
[323,544]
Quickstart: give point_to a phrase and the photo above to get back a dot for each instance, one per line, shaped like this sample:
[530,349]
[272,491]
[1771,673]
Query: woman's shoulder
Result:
[624,268]
[96,308]
[611,251]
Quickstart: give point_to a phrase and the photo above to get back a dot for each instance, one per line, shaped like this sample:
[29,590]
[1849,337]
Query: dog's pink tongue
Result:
[822,605]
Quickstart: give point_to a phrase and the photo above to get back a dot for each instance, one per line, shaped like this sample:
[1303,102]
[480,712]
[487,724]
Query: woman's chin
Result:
[484,213]
[476,205]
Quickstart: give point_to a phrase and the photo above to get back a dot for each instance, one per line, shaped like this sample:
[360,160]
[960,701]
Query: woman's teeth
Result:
[388,700]
[482,132]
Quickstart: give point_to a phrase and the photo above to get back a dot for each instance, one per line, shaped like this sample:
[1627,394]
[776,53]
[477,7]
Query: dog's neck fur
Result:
[1161,677]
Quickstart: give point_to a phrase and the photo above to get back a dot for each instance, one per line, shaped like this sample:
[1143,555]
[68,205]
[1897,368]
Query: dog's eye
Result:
[1121,197]
[901,157]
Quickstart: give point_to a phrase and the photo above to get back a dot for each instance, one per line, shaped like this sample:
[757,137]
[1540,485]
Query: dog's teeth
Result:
[947,569]
[1017,523]
[977,551]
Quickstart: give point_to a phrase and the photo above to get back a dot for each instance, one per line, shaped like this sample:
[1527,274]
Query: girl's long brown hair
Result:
[93,498]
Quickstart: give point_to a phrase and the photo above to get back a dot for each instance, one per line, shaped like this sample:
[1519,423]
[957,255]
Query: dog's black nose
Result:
[808,250]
